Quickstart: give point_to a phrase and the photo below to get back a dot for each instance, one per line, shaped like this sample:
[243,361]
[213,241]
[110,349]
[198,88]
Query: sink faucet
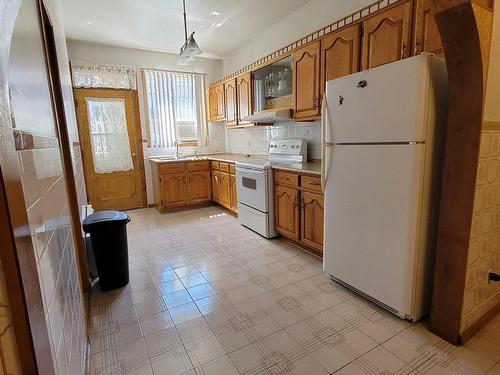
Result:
[176,149]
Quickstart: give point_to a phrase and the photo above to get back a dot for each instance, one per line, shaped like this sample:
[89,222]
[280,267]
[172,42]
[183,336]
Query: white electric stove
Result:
[255,184]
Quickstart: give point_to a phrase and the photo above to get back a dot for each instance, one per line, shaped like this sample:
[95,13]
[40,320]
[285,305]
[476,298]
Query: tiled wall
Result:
[44,185]
[9,361]
[484,250]
[255,140]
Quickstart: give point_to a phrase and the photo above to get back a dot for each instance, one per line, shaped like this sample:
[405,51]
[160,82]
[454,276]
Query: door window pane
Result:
[109,135]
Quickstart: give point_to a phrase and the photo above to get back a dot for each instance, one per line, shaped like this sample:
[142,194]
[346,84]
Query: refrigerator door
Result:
[384,104]
[372,215]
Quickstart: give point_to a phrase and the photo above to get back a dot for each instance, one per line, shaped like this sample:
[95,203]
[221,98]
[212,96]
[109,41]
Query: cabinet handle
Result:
[285,178]
[315,183]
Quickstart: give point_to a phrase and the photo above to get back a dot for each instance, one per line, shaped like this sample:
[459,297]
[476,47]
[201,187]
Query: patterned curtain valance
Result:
[90,75]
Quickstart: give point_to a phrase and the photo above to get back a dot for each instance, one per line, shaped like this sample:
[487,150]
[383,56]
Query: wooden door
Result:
[244,97]
[199,187]
[216,186]
[219,97]
[312,214]
[233,193]
[306,87]
[225,192]
[173,190]
[231,103]
[340,54]
[427,37]
[287,211]
[387,36]
[111,185]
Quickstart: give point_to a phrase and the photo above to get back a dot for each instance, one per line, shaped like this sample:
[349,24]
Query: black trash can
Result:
[108,233]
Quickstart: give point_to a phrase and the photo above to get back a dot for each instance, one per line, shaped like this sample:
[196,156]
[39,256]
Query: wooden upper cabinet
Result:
[173,190]
[216,103]
[199,186]
[427,37]
[306,87]
[231,103]
[340,54]
[387,36]
[221,103]
[312,213]
[287,211]
[244,97]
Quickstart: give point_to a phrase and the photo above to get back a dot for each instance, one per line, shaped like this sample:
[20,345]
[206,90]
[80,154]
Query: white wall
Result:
[310,17]
[92,52]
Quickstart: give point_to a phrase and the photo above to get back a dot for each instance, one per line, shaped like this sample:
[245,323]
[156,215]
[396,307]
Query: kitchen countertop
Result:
[310,167]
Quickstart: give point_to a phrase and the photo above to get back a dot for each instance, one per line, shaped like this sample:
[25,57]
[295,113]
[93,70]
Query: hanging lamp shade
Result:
[190,48]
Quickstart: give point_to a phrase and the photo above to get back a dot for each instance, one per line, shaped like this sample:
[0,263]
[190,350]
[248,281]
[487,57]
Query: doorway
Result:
[110,136]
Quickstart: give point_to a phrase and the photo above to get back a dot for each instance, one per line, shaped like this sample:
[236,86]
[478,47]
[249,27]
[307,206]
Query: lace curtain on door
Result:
[91,75]
[108,135]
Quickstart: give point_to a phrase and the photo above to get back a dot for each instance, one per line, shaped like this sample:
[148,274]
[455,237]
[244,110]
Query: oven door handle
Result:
[251,171]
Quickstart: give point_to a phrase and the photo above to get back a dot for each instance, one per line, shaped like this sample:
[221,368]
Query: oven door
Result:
[253,188]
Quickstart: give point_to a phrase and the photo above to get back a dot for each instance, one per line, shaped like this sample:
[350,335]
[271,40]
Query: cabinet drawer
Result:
[232,168]
[171,168]
[224,167]
[285,178]
[215,165]
[311,183]
[199,166]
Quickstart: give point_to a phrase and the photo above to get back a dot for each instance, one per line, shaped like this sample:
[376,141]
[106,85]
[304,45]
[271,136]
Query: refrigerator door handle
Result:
[324,143]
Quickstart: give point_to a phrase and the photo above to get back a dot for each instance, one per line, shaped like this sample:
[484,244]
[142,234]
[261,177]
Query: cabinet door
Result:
[387,36]
[233,192]
[340,54]
[231,103]
[221,103]
[212,105]
[216,186]
[312,211]
[173,190]
[199,186]
[427,37]
[287,211]
[225,195]
[244,97]
[306,90]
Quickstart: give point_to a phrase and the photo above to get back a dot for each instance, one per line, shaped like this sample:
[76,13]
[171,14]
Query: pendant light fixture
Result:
[190,48]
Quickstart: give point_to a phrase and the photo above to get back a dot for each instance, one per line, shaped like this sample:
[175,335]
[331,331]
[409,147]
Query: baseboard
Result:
[302,247]
[480,323]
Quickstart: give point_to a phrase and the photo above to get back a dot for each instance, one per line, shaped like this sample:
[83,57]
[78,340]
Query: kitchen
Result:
[292,191]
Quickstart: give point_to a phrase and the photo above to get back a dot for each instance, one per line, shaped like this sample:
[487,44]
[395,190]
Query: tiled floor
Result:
[209,297]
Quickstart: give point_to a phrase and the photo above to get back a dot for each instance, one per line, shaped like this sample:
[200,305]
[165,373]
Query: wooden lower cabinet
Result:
[173,190]
[311,220]
[233,193]
[224,186]
[299,209]
[225,198]
[286,203]
[199,186]
[178,185]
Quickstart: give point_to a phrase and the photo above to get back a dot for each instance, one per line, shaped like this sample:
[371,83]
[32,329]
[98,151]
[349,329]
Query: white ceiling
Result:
[221,25]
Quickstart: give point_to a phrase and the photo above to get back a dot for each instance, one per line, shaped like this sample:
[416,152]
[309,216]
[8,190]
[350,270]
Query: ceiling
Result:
[221,25]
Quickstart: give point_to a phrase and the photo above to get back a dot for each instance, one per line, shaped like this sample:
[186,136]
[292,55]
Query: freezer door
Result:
[384,104]
[372,220]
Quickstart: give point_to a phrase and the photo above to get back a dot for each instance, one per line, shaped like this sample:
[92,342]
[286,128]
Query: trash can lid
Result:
[104,217]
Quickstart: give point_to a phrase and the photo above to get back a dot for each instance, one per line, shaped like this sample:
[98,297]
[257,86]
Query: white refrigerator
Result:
[382,135]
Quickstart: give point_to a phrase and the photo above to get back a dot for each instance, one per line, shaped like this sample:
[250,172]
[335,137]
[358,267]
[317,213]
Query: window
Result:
[175,108]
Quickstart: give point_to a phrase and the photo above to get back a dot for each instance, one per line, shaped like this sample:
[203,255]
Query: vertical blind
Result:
[176,107]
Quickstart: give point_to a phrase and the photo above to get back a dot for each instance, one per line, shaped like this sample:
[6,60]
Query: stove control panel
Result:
[295,149]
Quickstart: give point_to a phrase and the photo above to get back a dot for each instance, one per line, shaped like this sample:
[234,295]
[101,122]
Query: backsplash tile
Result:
[255,140]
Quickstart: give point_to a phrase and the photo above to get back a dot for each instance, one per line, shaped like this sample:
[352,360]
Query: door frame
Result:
[137,136]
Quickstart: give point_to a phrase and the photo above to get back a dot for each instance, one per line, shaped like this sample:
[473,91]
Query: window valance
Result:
[92,75]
